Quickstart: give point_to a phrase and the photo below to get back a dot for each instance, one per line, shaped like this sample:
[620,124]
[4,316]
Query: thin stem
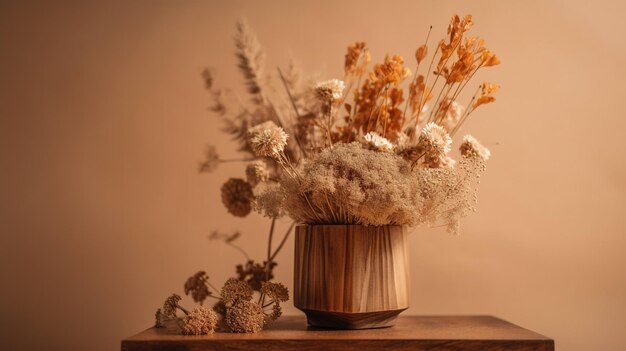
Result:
[435,105]
[461,87]
[437,78]
[295,108]
[354,107]
[329,126]
[367,128]
[282,242]
[437,109]
[467,112]
[420,106]
[386,118]
[268,304]
[268,263]
[417,67]
[182,309]
[269,250]
[212,287]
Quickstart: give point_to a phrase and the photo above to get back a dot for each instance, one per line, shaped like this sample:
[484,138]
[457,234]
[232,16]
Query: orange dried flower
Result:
[356,52]
[486,96]
[489,59]
[391,71]
[421,53]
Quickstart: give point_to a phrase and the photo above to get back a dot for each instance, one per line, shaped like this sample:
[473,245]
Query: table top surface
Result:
[410,332]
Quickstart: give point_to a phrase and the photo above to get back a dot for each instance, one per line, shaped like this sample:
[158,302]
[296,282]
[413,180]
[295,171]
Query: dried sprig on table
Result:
[235,307]
[244,304]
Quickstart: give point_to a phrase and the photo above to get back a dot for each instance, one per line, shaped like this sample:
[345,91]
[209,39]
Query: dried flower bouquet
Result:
[370,149]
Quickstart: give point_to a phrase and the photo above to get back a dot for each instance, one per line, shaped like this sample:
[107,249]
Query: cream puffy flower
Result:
[470,147]
[434,140]
[257,172]
[378,142]
[267,139]
[330,90]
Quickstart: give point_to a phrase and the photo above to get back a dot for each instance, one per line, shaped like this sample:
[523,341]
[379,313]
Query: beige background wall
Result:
[103,121]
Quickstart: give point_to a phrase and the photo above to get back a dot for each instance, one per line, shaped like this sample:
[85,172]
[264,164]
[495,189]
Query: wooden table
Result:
[415,333]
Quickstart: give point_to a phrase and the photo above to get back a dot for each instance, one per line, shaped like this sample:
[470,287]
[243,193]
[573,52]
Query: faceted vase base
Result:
[343,320]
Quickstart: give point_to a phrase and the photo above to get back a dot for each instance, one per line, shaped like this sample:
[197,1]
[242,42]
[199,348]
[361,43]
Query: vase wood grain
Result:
[351,276]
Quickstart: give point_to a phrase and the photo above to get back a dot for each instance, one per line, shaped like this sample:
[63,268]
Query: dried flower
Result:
[489,59]
[350,185]
[357,51]
[254,274]
[267,139]
[235,290]
[330,90]
[453,114]
[237,196]
[434,141]
[276,313]
[471,147]
[276,291]
[257,172]
[486,96]
[391,71]
[197,286]
[420,53]
[159,319]
[269,201]
[251,57]
[377,142]
[200,321]
[170,305]
[245,317]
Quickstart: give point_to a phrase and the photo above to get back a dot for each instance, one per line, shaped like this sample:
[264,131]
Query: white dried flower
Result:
[267,139]
[378,142]
[473,148]
[434,140]
[257,172]
[402,140]
[330,90]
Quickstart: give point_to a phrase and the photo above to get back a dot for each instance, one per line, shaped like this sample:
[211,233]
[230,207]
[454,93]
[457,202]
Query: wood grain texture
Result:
[351,269]
[414,333]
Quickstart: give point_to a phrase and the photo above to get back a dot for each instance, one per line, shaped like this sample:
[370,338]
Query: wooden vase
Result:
[351,276]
